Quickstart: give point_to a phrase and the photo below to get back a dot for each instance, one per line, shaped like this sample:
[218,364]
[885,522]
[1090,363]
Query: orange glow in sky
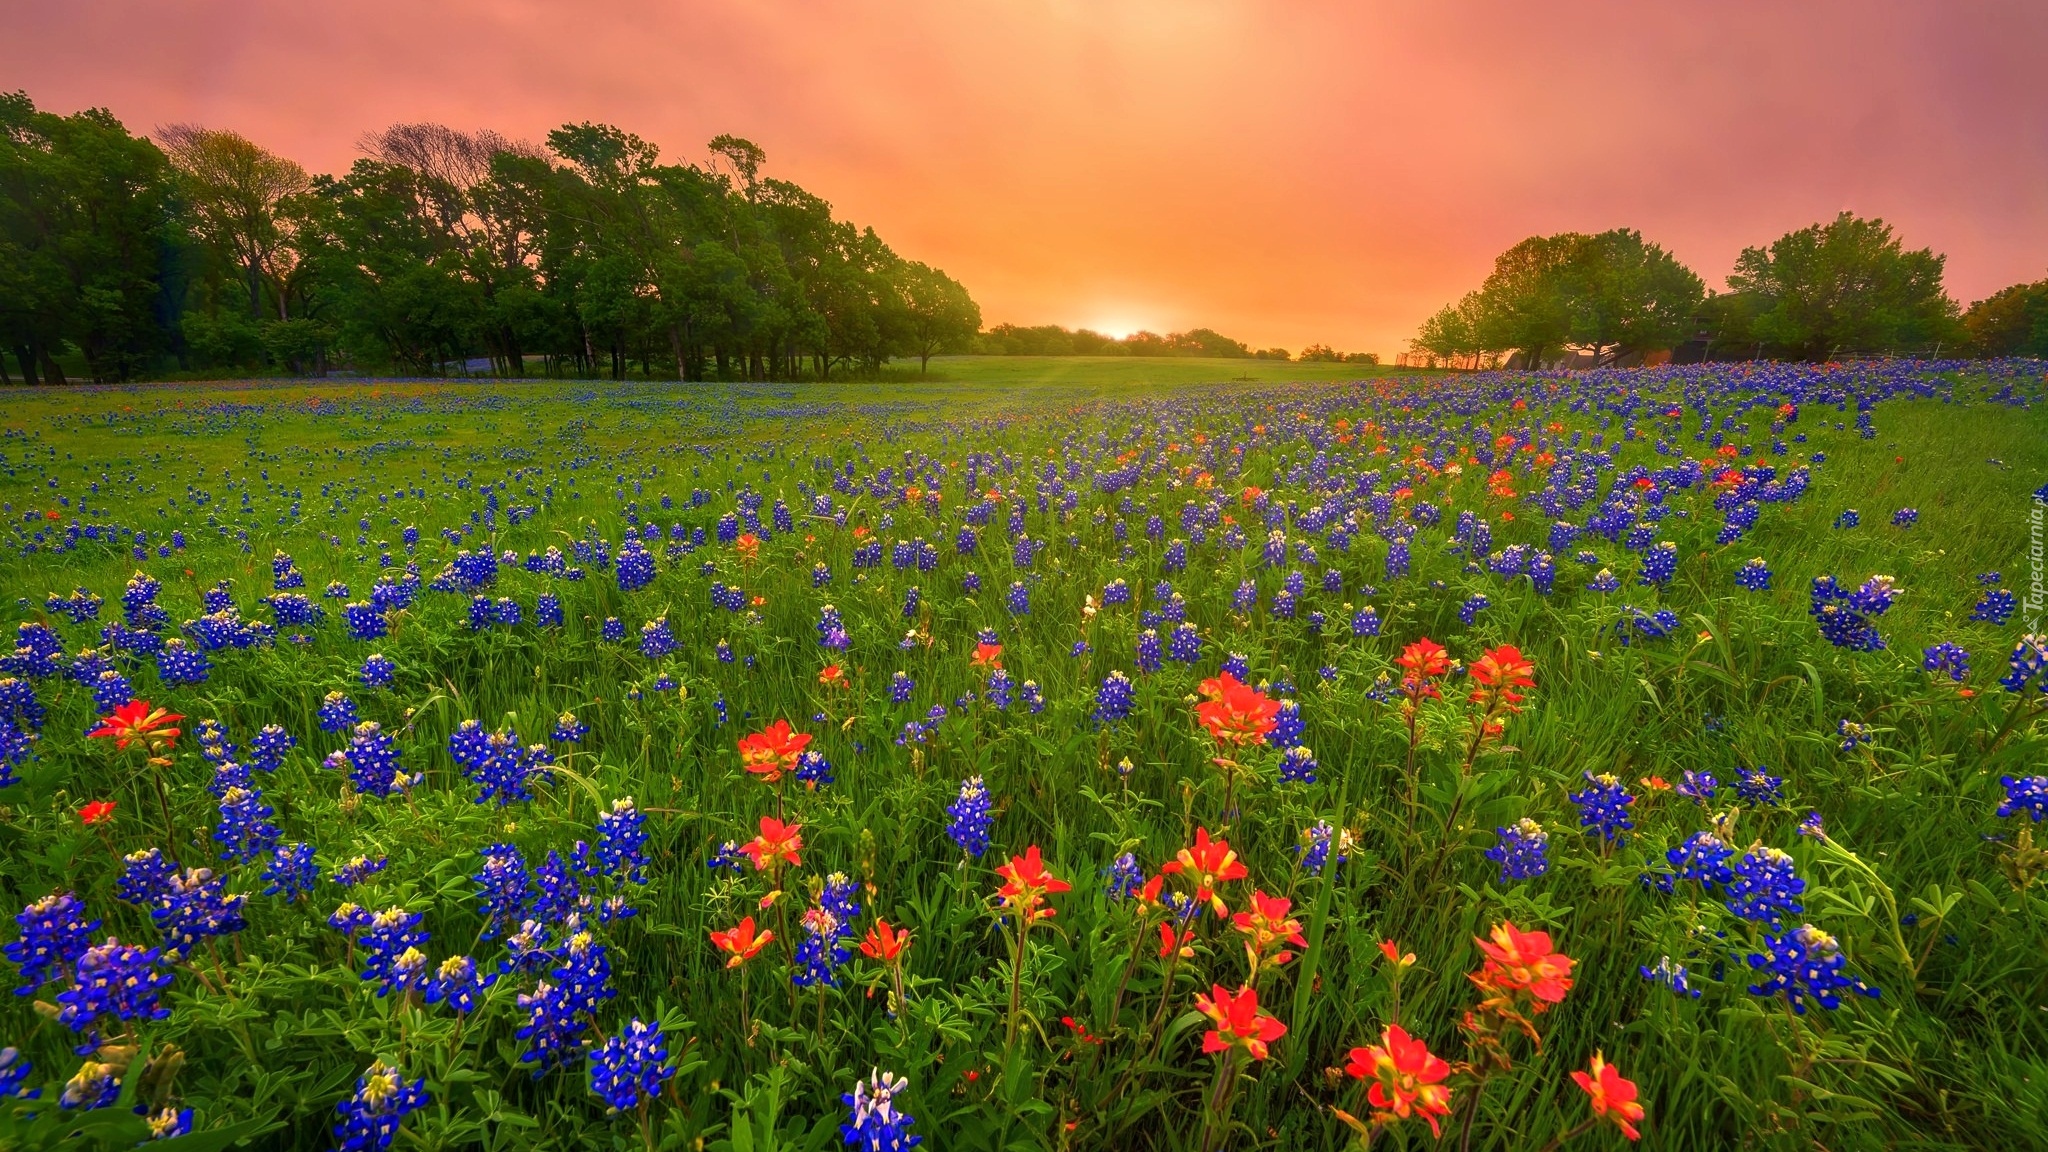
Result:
[1284,171]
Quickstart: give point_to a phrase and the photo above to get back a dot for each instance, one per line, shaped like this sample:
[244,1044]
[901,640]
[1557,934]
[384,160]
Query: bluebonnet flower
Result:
[1079,649]
[612,630]
[728,857]
[656,640]
[999,688]
[1765,888]
[117,980]
[54,934]
[1185,645]
[1702,858]
[1398,559]
[195,906]
[1604,806]
[1853,734]
[821,953]
[1150,655]
[372,759]
[268,749]
[1125,876]
[1758,787]
[179,664]
[145,877]
[1905,517]
[2028,794]
[291,871]
[635,566]
[1018,599]
[1996,607]
[1699,787]
[504,887]
[875,1124]
[1298,766]
[1845,616]
[14,1070]
[971,815]
[15,748]
[383,940]
[360,868]
[622,841]
[813,771]
[556,893]
[1672,976]
[1365,622]
[1805,963]
[245,831]
[94,1086]
[1660,565]
[110,690]
[1949,658]
[2029,663]
[1113,700]
[1316,847]
[1237,664]
[377,672]
[900,688]
[568,729]
[1288,727]
[630,1068]
[1849,518]
[1523,852]
[382,1100]
[337,713]
[365,621]
[458,982]
[1034,700]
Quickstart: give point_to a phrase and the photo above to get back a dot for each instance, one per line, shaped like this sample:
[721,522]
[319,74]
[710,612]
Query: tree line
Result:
[1846,286]
[199,250]
[1054,340]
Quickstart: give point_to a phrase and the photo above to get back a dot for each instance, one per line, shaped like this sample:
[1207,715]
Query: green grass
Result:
[275,1025]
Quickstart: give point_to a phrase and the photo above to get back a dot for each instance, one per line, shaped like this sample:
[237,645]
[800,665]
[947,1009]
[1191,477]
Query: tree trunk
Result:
[51,373]
[255,291]
[28,364]
[675,347]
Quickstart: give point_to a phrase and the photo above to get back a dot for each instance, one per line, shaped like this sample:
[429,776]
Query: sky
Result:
[1284,171]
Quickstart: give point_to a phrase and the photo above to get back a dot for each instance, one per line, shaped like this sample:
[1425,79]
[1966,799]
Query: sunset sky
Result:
[1286,172]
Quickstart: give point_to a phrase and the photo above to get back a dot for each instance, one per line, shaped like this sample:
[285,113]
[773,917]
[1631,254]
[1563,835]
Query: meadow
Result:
[1039,754]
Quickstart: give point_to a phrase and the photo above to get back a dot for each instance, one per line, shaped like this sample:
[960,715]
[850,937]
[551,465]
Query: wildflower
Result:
[94,1086]
[1611,1095]
[773,750]
[1499,673]
[1026,884]
[1238,1022]
[630,1068]
[1399,959]
[740,942]
[114,979]
[1949,658]
[1206,864]
[96,812]
[1234,713]
[54,935]
[971,817]
[2024,794]
[884,943]
[1672,976]
[138,721]
[1523,852]
[1765,887]
[874,1123]
[1422,663]
[382,1100]
[1407,1079]
[1114,698]
[1267,928]
[1805,963]
[458,983]
[1604,806]
[1758,787]
[778,844]
[1520,962]
[1754,575]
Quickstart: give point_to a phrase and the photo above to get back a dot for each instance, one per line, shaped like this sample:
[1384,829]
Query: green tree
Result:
[1847,285]
[937,312]
[1523,304]
[1622,295]
[233,190]
[2010,322]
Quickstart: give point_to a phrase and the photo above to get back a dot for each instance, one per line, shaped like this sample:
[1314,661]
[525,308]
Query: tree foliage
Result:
[1847,285]
[2010,322]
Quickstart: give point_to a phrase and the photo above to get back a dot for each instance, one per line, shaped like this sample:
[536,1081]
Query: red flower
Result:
[97,812]
[748,546]
[773,750]
[1235,712]
[740,942]
[1170,942]
[1267,926]
[1421,663]
[884,943]
[1207,863]
[832,676]
[1407,1077]
[777,844]
[988,656]
[136,720]
[1395,956]
[1026,884]
[1613,1096]
[1239,1023]
[1518,961]
[1499,674]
